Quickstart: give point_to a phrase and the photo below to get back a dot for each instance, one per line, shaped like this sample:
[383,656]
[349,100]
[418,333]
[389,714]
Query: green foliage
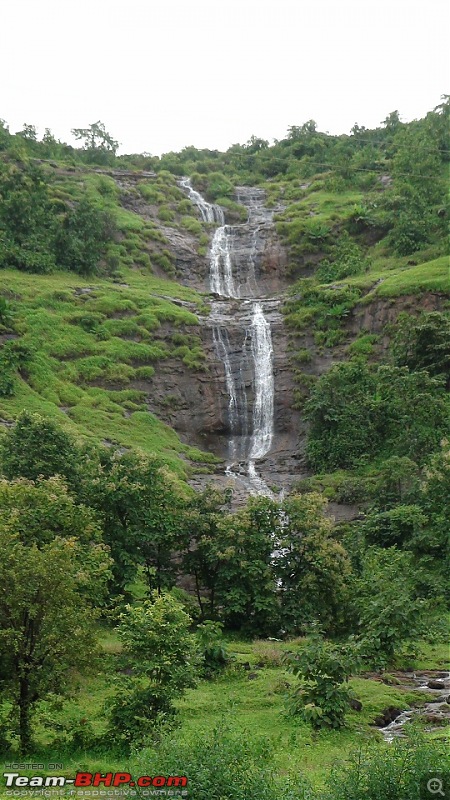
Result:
[37,447]
[46,622]
[246,581]
[346,259]
[398,772]
[312,568]
[226,763]
[14,356]
[322,696]
[213,652]
[99,145]
[140,513]
[324,309]
[423,342]
[160,652]
[356,411]
[82,240]
[27,219]
[397,526]
[37,234]
[388,611]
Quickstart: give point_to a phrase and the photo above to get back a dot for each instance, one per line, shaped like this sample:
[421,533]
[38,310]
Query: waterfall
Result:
[257,338]
[221,268]
[208,212]
[264,385]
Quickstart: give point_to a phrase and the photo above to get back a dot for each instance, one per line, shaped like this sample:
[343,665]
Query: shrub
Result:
[160,651]
[212,648]
[166,214]
[222,764]
[398,772]
[322,696]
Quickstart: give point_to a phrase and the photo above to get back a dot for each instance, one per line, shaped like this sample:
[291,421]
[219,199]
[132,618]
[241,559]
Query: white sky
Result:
[163,74]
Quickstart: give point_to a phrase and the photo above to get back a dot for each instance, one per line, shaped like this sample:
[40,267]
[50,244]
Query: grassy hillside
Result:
[86,342]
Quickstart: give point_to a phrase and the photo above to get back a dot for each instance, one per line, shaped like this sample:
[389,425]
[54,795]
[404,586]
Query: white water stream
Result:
[245,445]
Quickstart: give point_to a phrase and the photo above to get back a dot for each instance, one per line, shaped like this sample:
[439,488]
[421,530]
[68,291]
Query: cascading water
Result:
[208,212]
[247,442]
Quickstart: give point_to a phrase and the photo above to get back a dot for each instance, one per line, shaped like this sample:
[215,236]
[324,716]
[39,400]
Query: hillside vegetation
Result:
[144,624]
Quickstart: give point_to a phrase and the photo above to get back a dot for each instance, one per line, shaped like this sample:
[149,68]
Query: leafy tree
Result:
[246,587]
[343,414]
[28,132]
[46,620]
[323,695]
[82,237]
[397,482]
[413,412]
[312,568]
[140,513]
[388,610]
[37,513]
[431,543]
[96,138]
[397,526]
[423,343]
[38,447]
[161,653]
[417,187]
[202,554]
[213,652]
[357,410]
[27,219]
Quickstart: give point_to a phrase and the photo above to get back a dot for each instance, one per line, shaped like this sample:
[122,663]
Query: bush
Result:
[322,696]
[346,259]
[213,652]
[398,772]
[160,652]
[166,214]
[222,764]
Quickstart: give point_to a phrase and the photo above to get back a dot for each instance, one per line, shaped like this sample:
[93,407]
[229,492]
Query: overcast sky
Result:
[163,74]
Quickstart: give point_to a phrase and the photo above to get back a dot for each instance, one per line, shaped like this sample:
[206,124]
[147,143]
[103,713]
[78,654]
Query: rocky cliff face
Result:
[196,405]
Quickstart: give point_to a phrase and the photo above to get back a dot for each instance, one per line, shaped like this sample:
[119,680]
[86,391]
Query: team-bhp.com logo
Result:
[95,779]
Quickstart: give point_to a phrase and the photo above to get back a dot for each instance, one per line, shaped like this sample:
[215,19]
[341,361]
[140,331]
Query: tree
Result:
[343,413]
[246,586]
[140,513]
[389,612]
[46,621]
[423,343]
[202,548]
[161,653]
[29,133]
[98,143]
[27,219]
[37,447]
[82,237]
[312,568]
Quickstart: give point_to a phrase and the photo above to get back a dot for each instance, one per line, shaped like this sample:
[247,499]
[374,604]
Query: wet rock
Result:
[252,676]
[387,716]
[356,704]
[433,684]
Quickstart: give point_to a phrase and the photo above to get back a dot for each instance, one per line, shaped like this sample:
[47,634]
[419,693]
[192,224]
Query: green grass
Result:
[256,706]
[87,348]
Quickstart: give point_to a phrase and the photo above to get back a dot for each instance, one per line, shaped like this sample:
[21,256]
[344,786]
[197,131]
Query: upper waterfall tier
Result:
[238,258]
[208,211]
